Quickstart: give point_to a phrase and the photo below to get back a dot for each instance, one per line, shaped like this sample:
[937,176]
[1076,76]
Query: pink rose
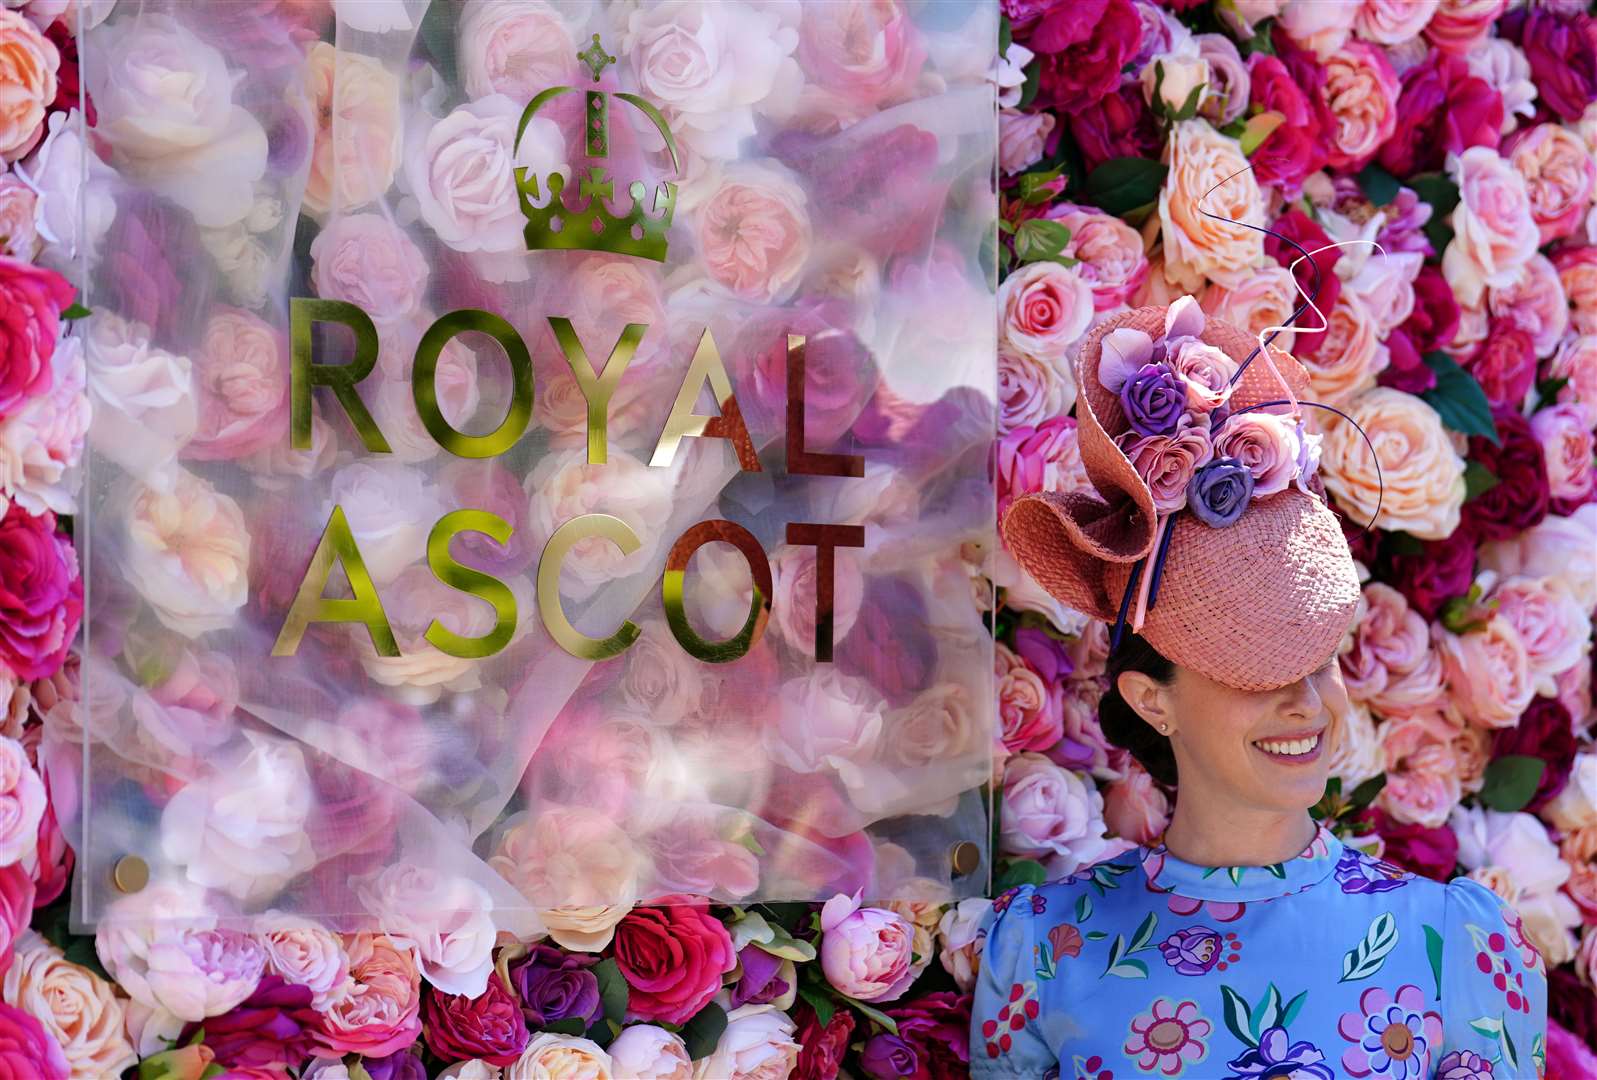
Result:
[1577,270]
[753,231]
[42,443]
[1111,255]
[304,953]
[1422,781]
[1488,672]
[825,721]
[1444,108]
[859,57]
[27,1050]
[32,298]
[1567,443]
[1167,463]
[242,387]
[1495,234]
[1207,372]
[189,711]
[1390,639]
[1576,362]
[1135,808]
[1560,175]
[382,1013]
[513,49]
[865,952]
[1043,458]
[1392,22]
[1043,309]
[1460,25]
[1318,25]
[442,917]
[1258,303]
[41,594]
[650,1053]
[18,237]
[1264,442]
[1031,390]
[369,261]
[17,895]
[1051,813]
[1020,138]
[1028,708]
[1552,626]
[1361,91]
[1557,548]
[1226,97]
[1533,300]
[794,574]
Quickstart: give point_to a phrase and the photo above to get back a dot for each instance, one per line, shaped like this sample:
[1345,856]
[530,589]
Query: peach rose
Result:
[1555,631]
[1356,753]
[445,917]
[1577,270]
[1560,177]
[561,1057]
[940,724]
[242,386]
[1391,22]
[753,231]
[1534,301]
[1494,230]
[1574,810]
[794,570]
[1385,286]
[1568,444]
[516,48]
[78,1009]
[369,261]
[19,239]
[1261,300]
[362,164]
[1422,472]
[383,1013]
[570,855]
[1352,355]
[412,601]
[1361,92]
[1422,781]
[1576,362]
[1195,246]
[1321,26]
[166,110]
[1488,672]
[28,65]
[1020,138]
[303,952]
[582,928]
[188,554]
[1135,808]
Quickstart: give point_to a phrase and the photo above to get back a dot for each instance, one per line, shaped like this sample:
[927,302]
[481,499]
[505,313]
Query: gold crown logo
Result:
[556,226]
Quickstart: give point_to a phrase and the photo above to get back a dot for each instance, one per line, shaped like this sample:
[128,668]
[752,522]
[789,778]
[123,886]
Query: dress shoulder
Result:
[1494,985]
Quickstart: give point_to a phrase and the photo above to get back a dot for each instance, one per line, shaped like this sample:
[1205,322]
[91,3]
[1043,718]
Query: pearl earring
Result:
[1165,728]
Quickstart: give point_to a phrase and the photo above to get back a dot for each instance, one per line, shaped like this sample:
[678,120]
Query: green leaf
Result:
[1366,792]
[1189,107]
[1236,1015]
[1096,935]
[823,1005]
[1040,238]
[1257,129]
[76,311]
[1511,781]
[1021,872]
[1478,480]
[1402,543]
[1122,184]
[1083,908]
[1293,1007]
[1033,187]
[1510,1054]
[1441,193]
[1433,953]
[873,1013]
[1458,399]
[438,35]
[1378,185]
[1263,1014]
[703,1032]
[1115,949]
[1144,934]
[1129,969]
[571,1025]
[1260,41]
[1005,36]
[1028,89]
[1366,958]
[603,1032]
[612,989]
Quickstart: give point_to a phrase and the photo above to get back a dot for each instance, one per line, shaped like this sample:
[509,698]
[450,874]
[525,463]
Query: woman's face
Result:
[1268,750]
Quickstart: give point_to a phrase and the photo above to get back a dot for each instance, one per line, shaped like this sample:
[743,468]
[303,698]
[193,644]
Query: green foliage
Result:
[1511,781]
[1458,399]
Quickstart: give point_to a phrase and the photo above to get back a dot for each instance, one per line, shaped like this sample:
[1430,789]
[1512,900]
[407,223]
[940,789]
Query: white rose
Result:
[757,1043]
[144,403]
[390,509]
[444,917]
[74,193]
[647,1052]
[961,945]
[1576,806]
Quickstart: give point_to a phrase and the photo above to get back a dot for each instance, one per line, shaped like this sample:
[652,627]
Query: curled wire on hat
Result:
[1145,593]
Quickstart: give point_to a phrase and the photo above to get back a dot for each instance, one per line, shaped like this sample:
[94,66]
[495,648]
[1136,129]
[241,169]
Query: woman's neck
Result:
[1210,835]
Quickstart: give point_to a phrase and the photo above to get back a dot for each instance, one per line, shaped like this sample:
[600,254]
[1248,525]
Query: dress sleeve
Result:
[1493,986]
[1006,1038]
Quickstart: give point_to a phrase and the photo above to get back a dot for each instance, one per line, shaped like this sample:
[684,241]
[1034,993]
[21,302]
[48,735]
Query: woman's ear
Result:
[1149,698]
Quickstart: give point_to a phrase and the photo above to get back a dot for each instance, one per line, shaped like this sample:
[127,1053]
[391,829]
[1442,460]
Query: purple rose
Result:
[1046,655]
[1154,400]
[142,270]
[1357,873]
[890,645]
[887,1057]
[1219,492]
[272,1026]
[937,1025]
[1192,950]
[1545,731]
[1277,1055]
[1562,50]
[1519,501]
[762,982]
[400,1065]
[554,985]
[1441,570]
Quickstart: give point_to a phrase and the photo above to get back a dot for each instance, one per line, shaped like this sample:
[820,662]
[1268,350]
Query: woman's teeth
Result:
[1289,747]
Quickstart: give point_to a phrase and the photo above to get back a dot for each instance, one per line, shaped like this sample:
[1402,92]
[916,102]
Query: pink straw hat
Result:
[1256,605]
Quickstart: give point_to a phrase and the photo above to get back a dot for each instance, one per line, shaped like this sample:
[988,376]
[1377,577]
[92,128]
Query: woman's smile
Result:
[1296,748]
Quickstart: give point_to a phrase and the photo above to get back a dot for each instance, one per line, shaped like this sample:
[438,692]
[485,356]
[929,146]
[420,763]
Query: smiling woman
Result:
[1258,943]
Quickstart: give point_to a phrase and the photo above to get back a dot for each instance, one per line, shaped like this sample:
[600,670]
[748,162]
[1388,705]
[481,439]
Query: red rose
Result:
[1302,229]
[1431,853]
[41,594]
[31,301]
[1442,110]
[489,1026]
[1505,364]
[1545,731]
[1297,147]
[1440,571]
[823,1048]
[1121,126]
[1562,50]
[1520,499]
[673,958]
[1081,48]
[1434,320]
[938,1027]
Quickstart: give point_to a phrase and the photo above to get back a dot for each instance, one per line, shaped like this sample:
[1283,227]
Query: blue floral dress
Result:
[1332,964]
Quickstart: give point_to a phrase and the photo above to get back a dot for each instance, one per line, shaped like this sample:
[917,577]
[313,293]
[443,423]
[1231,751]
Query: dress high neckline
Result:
[1168,873]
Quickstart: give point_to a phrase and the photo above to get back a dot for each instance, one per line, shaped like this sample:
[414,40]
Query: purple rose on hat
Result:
[1154,400]
[1192,950]
[1219,492]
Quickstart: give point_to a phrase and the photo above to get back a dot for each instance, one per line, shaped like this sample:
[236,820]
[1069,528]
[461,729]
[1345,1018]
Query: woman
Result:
[1248,942]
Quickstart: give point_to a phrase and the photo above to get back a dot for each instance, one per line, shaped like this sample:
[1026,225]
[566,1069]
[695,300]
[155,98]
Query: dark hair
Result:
[1121,723]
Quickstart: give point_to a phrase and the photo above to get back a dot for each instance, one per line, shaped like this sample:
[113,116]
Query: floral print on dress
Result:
[1168,1037]
[1277,1055]
[1197,950]
[1392,1034]
[1464,1065]
[1357,872]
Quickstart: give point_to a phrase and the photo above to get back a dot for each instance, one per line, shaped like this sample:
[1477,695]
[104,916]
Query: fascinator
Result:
[1208,531]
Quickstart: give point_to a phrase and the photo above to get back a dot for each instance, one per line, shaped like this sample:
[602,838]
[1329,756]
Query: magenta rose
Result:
[1434,320]
[140,268]
[1443,109]
[16,909]
[1520,499]
[839,370]
[1562,50]
[1406,369]
[1505,364]
[41,594]
[1545,731]
[1306,232]
[937,1026]
[489,1026]
[1441,570]
[823,1045]
[31,301]
[673,958]
[27,1051]
[271,1027]
[1297,147]
[1121,125]
[1081,48]
[1572,1004]
[1432,852]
